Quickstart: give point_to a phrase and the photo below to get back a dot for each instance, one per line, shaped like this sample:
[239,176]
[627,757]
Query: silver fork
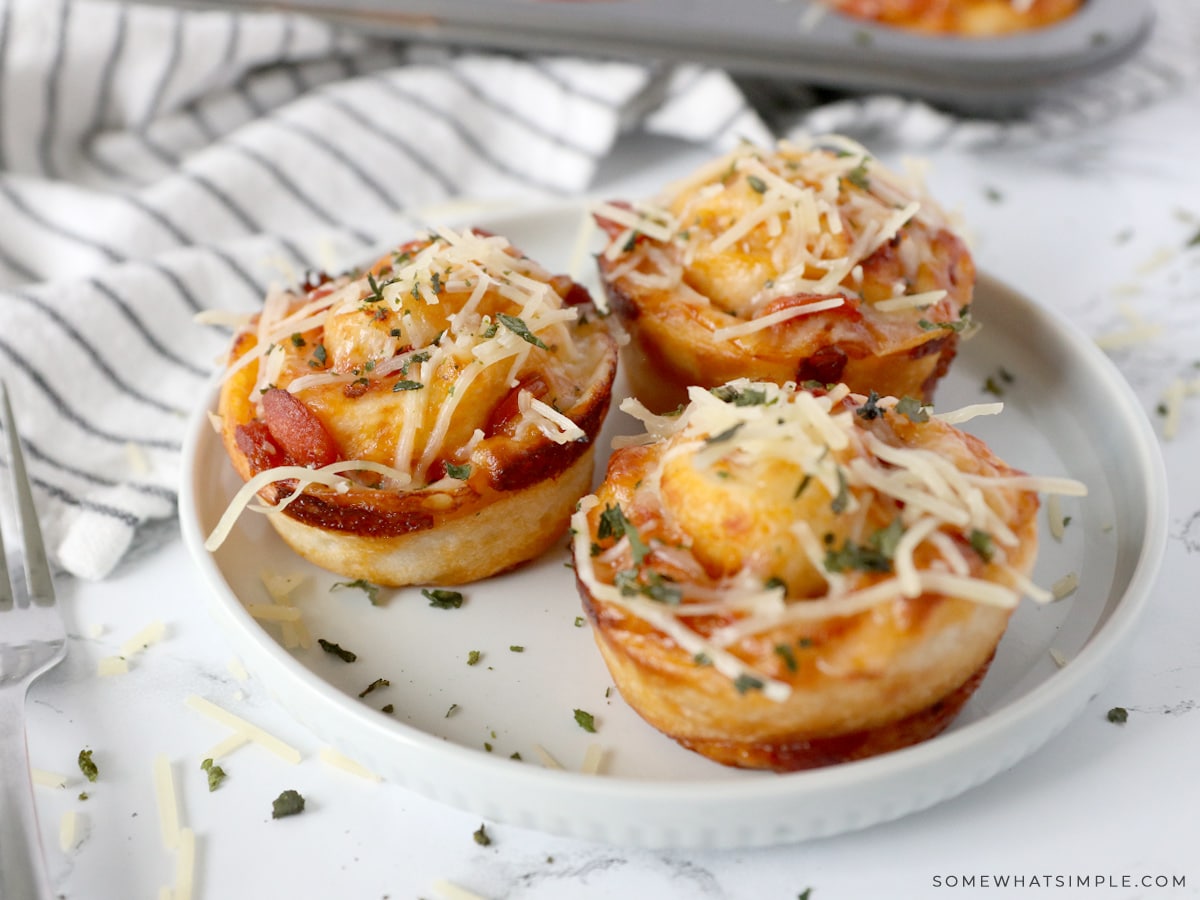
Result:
[33,639]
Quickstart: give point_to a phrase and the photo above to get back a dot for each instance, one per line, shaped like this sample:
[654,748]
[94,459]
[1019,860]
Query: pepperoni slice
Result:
[297,431]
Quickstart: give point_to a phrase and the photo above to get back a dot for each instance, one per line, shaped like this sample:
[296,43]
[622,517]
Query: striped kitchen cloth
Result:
[156,162]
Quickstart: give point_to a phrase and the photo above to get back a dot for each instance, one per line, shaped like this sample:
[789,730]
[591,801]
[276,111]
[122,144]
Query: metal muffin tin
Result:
[777,38]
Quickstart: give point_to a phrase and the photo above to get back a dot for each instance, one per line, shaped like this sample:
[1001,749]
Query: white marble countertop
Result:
[1095,226]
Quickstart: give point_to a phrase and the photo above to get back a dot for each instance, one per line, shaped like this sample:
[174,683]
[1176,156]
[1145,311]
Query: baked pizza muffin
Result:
[961,18]
[785,579]
[430,420]
[807,262]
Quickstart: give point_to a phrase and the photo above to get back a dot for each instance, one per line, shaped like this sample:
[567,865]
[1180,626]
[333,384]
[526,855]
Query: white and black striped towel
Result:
[156,162]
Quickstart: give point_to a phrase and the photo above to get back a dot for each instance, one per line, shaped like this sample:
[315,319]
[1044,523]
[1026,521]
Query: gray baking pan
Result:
[777,38]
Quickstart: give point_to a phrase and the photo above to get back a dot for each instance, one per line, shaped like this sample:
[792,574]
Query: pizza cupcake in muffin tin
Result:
[431,420]
[784,579]
[961,18]
[806,262]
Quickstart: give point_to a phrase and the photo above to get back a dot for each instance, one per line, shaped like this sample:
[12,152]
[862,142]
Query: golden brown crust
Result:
[678,300]
[858,683]
[448,549]
[495,490]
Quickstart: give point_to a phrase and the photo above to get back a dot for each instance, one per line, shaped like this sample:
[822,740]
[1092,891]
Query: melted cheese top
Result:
[405,365]
[821,222]
[762,505]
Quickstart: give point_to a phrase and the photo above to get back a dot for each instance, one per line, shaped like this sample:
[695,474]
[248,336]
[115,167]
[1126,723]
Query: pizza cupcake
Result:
[808,262]
[784,579]
[429,420]
[961,18]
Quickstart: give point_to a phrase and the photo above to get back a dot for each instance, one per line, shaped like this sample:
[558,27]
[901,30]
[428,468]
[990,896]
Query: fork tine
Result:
[37,566]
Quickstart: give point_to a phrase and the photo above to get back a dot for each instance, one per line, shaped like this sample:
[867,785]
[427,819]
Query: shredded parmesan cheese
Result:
[168,806]
[451,891]
[185,865]
[112,665]
[272,612]
[1065,586]
[236,669]
[547,760]
[1173,407]
[43,778]
[151,634]
[67,830]
[592,760]
[245,729]
[336,760]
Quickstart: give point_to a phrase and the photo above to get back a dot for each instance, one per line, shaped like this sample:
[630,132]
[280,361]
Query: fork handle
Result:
[22,864]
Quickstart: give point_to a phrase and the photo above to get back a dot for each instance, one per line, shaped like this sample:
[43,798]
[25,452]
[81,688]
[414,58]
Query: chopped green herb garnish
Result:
[443,599]
[297,340]
[960,325]
[802,486]
[981,543]
[756,184]
[1118,715]
[993,387]
[462,473]
[993,194]
[853,557]
[516,648]
[518,327]
[744,683]
[289,803]
[912,409]
[481,837]
[785,653]
[1194,240]
[579,621]
[87,766]
[473,657]
[451,711]
[374,685]
[871,409]
[515,755]
[389,709]
[726,434]
[702,659]
[858,176]
[318,357]
[885,539]
[775,583]
[585,720]
[215,774]
[376,296]
[746,397]
[83,795]
[413,360]
[613,524]
[337,650]
[406,384]
[371,590]
[842,500]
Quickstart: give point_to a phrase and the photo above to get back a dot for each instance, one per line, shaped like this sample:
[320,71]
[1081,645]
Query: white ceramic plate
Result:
[1069,412]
